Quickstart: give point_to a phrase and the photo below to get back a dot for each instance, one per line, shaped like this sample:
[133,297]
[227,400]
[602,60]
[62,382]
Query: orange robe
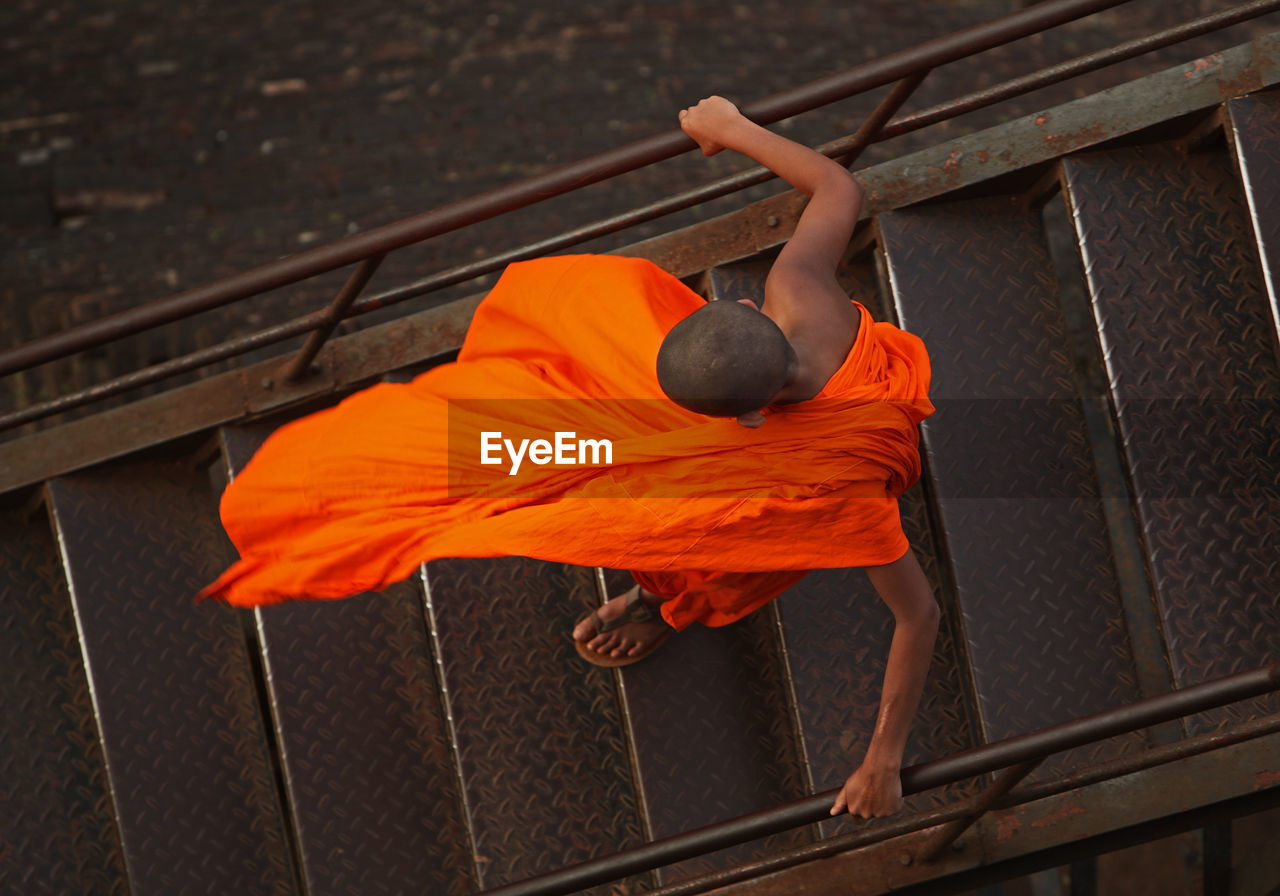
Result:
[357,496]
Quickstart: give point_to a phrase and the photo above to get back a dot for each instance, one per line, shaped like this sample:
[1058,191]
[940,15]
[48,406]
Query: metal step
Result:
[1010,468]
[57,826]
[364,742]
[711,733]
[185,747]
[546,771]
[1190,347]
[1254,132]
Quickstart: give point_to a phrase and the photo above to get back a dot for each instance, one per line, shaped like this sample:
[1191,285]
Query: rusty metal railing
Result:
[624,159]
[904,68]
[1016,752]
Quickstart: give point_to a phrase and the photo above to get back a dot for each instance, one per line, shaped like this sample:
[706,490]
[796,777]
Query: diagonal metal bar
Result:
[980,760]
[951,831]
[333,315]
[871,128]
[641,153]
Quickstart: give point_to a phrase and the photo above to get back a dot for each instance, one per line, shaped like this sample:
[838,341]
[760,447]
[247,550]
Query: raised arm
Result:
[836,199]
[806,299]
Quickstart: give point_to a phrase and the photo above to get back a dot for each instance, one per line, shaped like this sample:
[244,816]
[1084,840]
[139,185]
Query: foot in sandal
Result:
[625,630]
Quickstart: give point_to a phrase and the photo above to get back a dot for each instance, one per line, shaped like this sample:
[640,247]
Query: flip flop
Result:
[634,610]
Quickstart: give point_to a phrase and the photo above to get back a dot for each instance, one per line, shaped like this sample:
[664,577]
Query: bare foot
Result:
[628,639]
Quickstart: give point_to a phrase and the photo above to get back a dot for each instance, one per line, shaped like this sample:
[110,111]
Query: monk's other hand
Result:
[708,121]
[873,791]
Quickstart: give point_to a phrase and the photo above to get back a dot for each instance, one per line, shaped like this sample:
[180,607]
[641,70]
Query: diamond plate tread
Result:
[1011,470]
[1255,129]
[186,755]
[837,632]
[713,736]
[363,737]
[546,771]
[1190,347]
[57,833]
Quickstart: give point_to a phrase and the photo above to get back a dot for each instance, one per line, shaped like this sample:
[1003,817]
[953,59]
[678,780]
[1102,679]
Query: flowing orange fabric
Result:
[355,497]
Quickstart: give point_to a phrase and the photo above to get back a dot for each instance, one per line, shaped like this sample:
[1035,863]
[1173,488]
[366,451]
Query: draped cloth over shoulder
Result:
[355,497]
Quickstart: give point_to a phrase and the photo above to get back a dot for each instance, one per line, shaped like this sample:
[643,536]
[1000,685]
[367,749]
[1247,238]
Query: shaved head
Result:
[724,360]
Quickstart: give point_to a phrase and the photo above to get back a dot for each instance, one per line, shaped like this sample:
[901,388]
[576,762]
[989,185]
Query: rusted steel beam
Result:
[564,179]
[157,372]
[346,363]
[980,760]
[836,149]
[333,315]
[1117,837]
[1047,832]
[876,835]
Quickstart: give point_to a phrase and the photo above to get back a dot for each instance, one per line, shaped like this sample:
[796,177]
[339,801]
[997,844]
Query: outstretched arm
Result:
[875,789]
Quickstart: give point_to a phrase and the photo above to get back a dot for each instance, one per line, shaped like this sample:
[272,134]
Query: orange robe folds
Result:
[717,517]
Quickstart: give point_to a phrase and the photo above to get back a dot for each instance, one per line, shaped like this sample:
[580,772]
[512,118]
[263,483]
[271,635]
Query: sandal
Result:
[635,610]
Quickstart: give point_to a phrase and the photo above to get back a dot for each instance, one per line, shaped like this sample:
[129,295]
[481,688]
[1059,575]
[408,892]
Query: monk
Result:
[745,446]
[734,359]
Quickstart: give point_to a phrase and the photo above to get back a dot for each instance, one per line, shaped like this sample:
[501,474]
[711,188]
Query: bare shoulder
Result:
[818,318]
[810,305]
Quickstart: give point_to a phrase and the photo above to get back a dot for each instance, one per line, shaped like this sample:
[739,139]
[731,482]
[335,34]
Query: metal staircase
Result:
[1100,515]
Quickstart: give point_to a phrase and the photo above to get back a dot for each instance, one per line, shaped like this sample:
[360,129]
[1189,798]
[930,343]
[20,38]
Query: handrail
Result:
[927,775]
[866,836]
[660,147]
[723,187]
